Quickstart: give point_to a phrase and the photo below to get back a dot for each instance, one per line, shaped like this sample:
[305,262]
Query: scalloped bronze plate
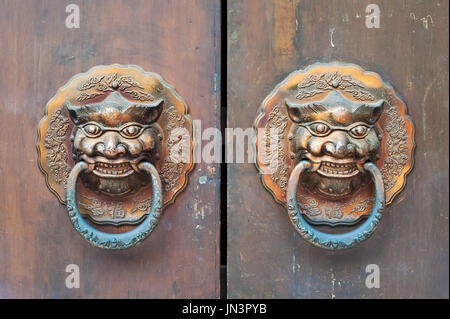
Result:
[135,85]
[313,84]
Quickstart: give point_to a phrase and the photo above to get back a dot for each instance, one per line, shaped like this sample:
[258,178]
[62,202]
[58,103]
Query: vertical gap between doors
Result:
[223,166]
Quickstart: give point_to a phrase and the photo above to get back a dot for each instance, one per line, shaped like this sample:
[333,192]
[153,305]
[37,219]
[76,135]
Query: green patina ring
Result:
[335,241]
[107,240]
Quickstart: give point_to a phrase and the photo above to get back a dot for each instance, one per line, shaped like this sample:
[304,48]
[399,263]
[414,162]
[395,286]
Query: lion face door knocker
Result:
[334,145]
[115,146]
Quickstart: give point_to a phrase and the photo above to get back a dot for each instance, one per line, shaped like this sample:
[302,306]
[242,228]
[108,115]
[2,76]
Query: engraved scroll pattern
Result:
[114,210]
[110,82]
[318,83]
[396,146]
[336,211]
[57,155]
[171,172]
[278,120]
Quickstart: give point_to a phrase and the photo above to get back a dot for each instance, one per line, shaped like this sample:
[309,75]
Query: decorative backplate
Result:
[128,87]
[310,89]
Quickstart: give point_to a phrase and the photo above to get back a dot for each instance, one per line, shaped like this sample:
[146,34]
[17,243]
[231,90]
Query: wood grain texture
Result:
[268,40]
[178,40]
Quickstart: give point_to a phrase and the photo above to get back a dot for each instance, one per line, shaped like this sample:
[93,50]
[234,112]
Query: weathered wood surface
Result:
[269,39]
[180,40]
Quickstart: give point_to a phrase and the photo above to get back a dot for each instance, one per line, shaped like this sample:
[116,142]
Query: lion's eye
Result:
[359,131]
[320,129]
[132,131]
[92,130]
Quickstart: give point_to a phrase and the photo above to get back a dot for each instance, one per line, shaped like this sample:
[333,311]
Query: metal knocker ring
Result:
[107,240]
[335,241]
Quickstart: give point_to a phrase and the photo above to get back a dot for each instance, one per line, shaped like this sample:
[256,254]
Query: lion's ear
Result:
[377,109]
[370,112]
[293,111]
[72,112]
[156,110]
[79,114]
[148,113]
[301,112]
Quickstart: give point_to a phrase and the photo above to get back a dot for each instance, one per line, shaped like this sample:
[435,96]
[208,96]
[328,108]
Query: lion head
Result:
[114,136]
[337,136]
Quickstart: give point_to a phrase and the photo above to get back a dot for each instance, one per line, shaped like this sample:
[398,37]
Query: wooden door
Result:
[267,40]
[178,40]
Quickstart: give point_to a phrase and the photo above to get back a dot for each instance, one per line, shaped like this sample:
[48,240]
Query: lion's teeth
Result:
[112,169]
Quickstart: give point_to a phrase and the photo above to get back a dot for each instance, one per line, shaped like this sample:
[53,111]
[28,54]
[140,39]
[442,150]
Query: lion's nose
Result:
[110,147]
[339,146]
[114,151]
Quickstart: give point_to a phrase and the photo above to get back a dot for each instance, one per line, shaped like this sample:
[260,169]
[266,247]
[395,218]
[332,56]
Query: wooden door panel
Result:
[176,39]
[267,40]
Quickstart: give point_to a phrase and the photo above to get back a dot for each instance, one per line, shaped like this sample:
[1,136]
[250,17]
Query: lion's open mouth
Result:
[113,170]
[330,169]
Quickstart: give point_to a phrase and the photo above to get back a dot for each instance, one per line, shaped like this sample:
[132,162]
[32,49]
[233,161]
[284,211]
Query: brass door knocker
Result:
[106,146]
[334,145]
